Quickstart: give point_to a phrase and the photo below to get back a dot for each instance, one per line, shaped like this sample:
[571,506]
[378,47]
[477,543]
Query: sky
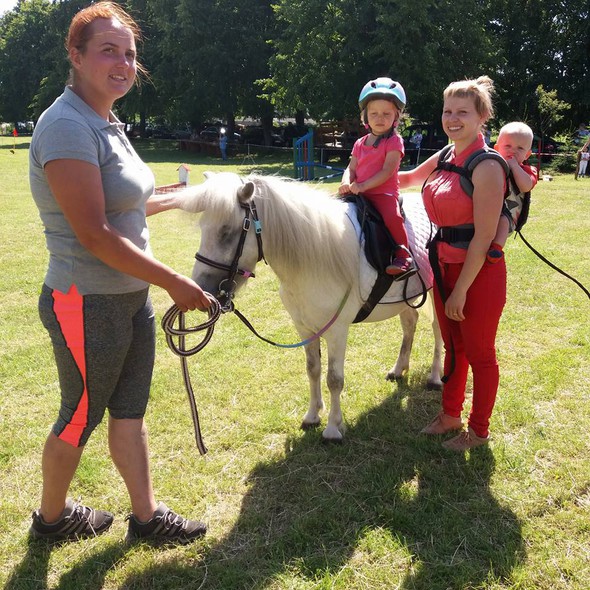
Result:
[6,5]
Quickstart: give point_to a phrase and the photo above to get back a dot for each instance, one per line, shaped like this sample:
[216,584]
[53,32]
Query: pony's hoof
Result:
[393,377]
[434,386]
[332,441]
[332,434]
[310,425]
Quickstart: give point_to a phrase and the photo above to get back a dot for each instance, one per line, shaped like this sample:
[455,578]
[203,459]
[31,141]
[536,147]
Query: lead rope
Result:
[214,312]
[313,337]
[553,266]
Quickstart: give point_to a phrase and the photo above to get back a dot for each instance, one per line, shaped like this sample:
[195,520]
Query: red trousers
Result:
[472,342]
[388,207]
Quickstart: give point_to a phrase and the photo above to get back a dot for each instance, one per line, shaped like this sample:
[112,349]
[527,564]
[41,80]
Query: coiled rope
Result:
[179,348]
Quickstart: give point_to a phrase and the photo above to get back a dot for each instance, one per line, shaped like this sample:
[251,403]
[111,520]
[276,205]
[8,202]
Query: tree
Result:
[326,50]
[26,47]
[429,44]
[550,110]
[322,56]
[212,52]
[541,43]
[220,58]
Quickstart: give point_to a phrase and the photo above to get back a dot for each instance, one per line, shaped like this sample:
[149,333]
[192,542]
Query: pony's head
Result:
[228,251]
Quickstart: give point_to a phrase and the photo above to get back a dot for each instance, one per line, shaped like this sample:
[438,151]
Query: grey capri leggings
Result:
[104,348]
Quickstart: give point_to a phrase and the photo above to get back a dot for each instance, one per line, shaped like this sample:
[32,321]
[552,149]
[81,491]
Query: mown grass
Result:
[387,508]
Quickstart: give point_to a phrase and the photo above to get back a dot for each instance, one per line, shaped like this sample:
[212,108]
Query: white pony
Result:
[311,244]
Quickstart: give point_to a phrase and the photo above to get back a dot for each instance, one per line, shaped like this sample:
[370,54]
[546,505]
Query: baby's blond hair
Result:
[517,128]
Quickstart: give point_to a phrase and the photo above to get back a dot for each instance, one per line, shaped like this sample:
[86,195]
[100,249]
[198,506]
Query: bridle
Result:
[227,286]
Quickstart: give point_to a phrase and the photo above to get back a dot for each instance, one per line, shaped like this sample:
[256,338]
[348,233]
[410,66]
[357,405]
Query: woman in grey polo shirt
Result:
[93,193]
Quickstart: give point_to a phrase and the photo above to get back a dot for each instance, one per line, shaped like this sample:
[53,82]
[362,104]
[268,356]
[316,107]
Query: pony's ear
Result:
[208,174]
[245,192]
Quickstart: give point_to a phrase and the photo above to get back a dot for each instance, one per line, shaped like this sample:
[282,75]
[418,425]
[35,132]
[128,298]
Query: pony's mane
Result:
[305,226]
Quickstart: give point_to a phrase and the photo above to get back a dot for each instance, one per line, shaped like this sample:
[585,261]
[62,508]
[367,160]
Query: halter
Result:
[233,269]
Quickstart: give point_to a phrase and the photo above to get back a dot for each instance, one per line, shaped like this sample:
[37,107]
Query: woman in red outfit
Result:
[470,299]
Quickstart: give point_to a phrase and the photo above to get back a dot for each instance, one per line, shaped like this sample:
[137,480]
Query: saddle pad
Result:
[418,228]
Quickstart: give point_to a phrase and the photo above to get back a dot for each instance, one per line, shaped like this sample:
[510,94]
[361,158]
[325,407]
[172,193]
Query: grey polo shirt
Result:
[70,129]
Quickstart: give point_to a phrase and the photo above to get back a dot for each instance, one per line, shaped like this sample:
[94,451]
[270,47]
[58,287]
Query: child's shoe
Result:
[401,267]
[495,253]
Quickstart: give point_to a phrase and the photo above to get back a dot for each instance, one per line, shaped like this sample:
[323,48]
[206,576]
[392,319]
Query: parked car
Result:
[25,128]
[212,133]
[181,134]
[255,136]
[166,132]
[160,132]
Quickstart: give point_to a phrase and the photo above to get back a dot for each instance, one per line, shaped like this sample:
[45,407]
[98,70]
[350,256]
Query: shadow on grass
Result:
[18,145]
[316,513]
[388,505]
[88,574]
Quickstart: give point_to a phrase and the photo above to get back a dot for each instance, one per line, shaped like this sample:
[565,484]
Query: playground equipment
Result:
[303,160]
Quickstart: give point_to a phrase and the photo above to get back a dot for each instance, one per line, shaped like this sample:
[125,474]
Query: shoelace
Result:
[82,514]
[464,436]
[173,523]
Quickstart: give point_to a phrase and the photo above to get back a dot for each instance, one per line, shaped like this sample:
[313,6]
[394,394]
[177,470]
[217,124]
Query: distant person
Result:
[223,144]
[93,193]
[584,157]
[514,144]
[582,134]
[289,133]
[416,139]
[374,164]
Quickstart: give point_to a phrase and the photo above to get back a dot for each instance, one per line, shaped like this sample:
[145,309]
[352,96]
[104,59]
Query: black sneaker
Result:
[165,526]
[75,522]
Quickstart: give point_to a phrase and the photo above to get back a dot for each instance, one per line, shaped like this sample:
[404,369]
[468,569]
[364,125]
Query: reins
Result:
[553,266]
[303,342]
[215,311]
[181,351]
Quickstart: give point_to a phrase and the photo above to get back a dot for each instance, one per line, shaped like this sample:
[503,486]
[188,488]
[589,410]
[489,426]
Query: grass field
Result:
[387,508]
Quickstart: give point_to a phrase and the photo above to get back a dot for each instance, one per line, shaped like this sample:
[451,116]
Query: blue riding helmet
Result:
[383,88]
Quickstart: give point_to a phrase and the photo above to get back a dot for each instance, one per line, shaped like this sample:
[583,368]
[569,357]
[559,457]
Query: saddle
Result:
[380,247]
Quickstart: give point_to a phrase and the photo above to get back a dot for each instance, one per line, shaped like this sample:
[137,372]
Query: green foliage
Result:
[223,58]
[551,110]
[388,508]
[25,44]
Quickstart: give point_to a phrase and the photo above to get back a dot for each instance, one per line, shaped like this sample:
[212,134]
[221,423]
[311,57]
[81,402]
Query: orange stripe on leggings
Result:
[69,311]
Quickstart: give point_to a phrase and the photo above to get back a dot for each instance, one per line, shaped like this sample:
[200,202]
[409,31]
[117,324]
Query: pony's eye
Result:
[225,234]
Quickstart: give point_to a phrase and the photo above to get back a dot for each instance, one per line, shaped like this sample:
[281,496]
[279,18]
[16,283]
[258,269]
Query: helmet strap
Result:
[386,135]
